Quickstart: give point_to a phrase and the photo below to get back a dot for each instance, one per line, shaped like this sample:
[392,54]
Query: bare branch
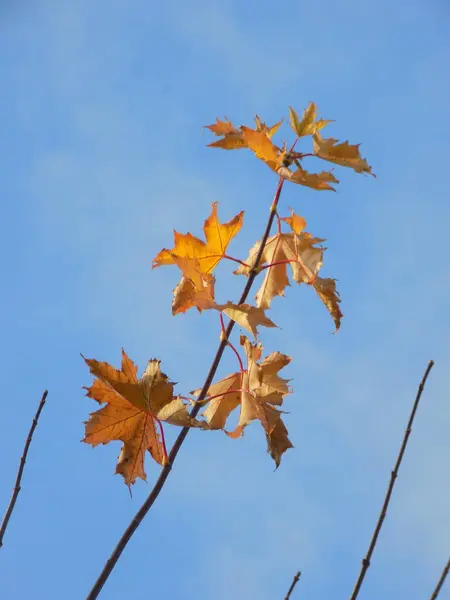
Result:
[394,474]
[137,519]
[23,460]
[441,581]
[293,584]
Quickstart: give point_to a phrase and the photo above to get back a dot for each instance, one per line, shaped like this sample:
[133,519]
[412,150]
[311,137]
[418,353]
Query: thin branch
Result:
[23,460]
[293,584]
[441,581]
[394,474]
[137,519]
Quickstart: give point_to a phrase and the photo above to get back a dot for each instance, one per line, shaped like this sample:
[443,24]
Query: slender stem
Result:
[441,581]
[137,519]
[241,262]
[17,486]
[163,439]
[293,584]
[230,345]
[394,474]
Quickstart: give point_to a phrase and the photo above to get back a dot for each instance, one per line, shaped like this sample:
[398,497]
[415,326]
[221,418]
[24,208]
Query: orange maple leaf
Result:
[209,253]
[197,259]
[133,408]
[233,138]
[258,390]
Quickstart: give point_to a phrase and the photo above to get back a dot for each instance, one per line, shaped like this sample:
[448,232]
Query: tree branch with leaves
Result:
[135,410]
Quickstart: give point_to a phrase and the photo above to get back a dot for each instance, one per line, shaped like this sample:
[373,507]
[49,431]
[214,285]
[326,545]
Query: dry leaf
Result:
[316,181]
[304,258]
[132,405]
[259,390]
[343,154]
[246,316]
[281,250]
[197,259]
[295,222]
[262,146]
[326,289]
[226,397]
[232,137]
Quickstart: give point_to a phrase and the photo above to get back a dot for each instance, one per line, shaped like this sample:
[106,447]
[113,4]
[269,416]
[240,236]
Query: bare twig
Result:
[23,460]
[137,519]
[441,581]
[293,584]
[394,474]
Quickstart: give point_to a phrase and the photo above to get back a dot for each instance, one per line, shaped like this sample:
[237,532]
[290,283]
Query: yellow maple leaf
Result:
[295,222]
[133,407]
[209,253]
[343,154]
[308,123]
[262,146]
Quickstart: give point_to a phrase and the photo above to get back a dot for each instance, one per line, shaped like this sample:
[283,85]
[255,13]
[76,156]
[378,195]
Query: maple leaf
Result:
[304,258]
[297,250]
[260,143]
[232,137]
[342,154]
[295,222]
[195,288]
[197,259]
[259,390]
[317,181]
[208,253]
[133,407]
[308,124]
[226,395]
[246,315]
[326,289]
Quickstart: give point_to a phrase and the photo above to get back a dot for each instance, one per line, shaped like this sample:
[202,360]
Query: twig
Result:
[293,584]
[23,460]
[137,519]
[441,581]
[394,474]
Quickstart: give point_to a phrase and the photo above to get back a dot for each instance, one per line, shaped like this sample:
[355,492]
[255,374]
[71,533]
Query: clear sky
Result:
[102,156]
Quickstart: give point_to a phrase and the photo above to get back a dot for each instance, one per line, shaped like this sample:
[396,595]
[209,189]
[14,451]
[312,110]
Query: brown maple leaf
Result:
[246,315]
[133,408]
[259,390]
[343,154]
[304,258]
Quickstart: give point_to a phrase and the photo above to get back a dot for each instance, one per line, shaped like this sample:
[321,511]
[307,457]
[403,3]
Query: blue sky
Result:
[103,154]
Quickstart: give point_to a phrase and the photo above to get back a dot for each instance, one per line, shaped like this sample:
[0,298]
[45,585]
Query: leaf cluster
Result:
[135,408]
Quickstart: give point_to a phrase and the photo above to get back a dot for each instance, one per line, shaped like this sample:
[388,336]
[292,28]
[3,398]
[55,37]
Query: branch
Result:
[293,584]
[137,519]
[441,581]
[394,474]
[23,460]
